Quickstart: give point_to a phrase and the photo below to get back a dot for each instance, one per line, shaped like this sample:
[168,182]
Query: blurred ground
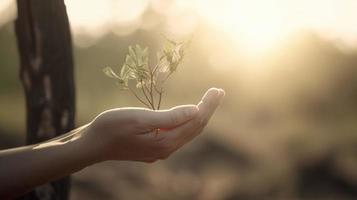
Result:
[286,130]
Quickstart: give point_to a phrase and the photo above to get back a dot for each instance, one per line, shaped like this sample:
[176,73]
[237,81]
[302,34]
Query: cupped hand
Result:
[140,134]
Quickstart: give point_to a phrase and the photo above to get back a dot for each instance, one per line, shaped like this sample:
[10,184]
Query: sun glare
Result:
[254,25]
[260,25]
[254,28]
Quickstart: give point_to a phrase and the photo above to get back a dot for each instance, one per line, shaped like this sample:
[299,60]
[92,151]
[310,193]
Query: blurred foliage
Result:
[286,129]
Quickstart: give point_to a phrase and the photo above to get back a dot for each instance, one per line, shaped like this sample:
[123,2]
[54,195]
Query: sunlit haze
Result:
[254,25]
[286,128]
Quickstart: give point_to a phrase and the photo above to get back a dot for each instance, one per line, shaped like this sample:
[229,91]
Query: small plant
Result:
[148,80]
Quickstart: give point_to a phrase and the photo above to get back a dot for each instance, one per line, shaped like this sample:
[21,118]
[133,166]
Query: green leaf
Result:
[130,61]
[110,73]
[139,84]
[135,68]
[171,56]
[132,53]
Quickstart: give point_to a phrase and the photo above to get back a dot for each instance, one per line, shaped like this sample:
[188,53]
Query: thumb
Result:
[170,118]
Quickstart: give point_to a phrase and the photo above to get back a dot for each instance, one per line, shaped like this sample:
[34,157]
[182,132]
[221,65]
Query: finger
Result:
[177,137]
[209,104]
[189,130]
[208,101]
[166,119]
[207,109]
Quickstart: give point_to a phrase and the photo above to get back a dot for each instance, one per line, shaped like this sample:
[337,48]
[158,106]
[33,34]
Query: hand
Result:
[140,134]
[120,134]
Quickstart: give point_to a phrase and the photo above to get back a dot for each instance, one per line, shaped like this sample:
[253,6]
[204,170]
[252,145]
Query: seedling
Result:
[144,81]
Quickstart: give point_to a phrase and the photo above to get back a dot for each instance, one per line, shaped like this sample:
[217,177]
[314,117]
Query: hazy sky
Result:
[258,23]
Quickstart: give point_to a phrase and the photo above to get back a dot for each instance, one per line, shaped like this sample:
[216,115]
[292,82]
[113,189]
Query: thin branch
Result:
[157,90]
[159,104]
[151,84]
[152,96]
[155,68]
[146,96]
[147,89]
[143,102]
[166,78]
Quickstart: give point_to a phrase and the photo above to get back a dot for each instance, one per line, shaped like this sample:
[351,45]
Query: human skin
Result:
[131,134]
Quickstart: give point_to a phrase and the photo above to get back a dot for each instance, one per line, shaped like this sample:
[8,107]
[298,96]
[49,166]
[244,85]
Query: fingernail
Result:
[222,92]
[214,91]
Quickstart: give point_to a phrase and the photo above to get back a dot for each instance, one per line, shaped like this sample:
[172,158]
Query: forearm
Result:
[116,134]
[22,169]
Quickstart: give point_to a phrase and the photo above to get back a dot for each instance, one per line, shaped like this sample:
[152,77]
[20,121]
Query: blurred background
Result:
[286,129]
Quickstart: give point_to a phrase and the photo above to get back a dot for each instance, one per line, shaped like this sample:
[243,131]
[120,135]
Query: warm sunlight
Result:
[256,26]
[260,25]
[185,99]
[98,17]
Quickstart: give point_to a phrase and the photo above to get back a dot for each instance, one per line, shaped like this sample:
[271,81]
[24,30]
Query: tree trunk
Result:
[46,72]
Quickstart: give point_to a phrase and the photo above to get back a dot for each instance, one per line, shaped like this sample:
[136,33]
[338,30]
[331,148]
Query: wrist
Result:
[90,146]
[82,150]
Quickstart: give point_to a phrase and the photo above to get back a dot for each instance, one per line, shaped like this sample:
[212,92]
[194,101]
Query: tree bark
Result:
[46,72]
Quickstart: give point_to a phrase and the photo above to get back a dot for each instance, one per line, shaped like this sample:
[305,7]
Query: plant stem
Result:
[146,96]
[166,77]
[152,95]
[151,85]
[155,68]
[143,102]
[159,103]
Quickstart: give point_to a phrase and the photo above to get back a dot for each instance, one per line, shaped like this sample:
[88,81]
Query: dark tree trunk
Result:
[46,72]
